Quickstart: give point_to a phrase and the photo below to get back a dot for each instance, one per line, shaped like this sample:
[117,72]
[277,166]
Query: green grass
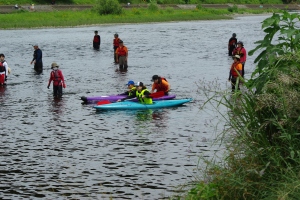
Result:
[25,19]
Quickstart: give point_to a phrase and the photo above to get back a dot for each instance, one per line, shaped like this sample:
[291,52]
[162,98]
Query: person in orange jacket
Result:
[122,56]
[160,84]
[58,80]
[235,72]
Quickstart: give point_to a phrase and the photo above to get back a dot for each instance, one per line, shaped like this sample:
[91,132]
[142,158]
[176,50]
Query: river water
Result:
[61,149]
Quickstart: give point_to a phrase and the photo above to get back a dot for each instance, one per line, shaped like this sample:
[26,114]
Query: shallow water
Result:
[60,149]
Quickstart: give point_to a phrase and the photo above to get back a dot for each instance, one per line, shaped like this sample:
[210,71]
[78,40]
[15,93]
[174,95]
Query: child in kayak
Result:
[58,80]
[131,88]
[142,94]
[160,84]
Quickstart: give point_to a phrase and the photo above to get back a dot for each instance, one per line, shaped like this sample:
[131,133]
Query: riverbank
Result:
[46,8]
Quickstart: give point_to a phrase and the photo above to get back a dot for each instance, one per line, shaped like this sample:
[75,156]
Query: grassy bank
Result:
[25,19]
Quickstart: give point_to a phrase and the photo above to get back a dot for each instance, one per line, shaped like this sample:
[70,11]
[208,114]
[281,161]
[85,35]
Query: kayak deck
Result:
[129,105]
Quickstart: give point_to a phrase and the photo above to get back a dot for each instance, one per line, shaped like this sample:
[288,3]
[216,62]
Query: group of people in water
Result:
[120,50]
[238,52]
[160,87]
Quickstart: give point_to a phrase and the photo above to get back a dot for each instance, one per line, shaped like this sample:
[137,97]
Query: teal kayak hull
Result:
[129,105]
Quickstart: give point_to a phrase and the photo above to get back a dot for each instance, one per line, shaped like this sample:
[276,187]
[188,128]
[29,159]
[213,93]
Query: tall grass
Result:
[263,155]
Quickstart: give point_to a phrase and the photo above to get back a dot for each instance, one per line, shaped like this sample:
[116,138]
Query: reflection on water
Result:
[58,148]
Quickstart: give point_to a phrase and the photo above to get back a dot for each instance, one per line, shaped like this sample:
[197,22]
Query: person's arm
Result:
[146,94]
[133,95]
[124,93]
[153,88]
[6,70]
[50,80]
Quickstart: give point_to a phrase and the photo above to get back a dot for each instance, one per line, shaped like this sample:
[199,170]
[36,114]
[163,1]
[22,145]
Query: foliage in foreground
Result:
[263,160]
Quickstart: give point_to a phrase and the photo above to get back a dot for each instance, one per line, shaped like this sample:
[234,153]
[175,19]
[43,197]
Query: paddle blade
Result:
[157,94]
[103,102]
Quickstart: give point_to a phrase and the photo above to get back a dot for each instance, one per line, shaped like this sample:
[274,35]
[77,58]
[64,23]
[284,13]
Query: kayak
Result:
[129,105]
[114,98]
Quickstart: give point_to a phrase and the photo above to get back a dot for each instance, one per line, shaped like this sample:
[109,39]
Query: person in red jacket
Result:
[96,41]
[116,45]
[241,51]
[58,80]
[160,84]
[122,56]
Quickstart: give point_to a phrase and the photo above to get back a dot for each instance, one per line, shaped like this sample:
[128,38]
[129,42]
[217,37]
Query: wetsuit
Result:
[38,58]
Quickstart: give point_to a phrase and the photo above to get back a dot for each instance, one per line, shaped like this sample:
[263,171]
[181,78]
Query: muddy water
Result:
[60,149]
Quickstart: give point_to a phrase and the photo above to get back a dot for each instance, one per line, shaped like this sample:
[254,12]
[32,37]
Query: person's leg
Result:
[59,91]
[55,90]
[233,82]
[243,69]
[2,78]
[121,62]
[115,55]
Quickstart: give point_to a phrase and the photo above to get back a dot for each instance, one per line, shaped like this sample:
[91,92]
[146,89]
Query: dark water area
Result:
[61,149]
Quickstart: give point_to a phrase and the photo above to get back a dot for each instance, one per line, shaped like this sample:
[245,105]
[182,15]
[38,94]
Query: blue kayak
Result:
[129,105]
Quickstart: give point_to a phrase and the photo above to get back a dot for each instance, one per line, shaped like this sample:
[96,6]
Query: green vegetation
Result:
[263,138]
[82,2]
[26,19]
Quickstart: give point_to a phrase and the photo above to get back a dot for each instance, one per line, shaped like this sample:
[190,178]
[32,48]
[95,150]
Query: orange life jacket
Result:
[234,71]
[121,51]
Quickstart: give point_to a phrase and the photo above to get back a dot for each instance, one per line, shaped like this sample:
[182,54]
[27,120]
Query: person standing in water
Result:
[232,44]
[3,70]
[37,59]
[58,80]
[96,41]
[122,56]
[116,45]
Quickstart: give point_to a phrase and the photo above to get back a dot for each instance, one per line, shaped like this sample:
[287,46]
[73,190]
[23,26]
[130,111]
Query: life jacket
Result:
[2,67]
[143,100]
[121,51]
[160,87]
[233,70]
[116,42]
[238,51]
[232,42]
[96,38]
[133,89]
[56,77]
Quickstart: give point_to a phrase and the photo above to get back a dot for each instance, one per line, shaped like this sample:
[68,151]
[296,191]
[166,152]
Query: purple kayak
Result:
[114,98]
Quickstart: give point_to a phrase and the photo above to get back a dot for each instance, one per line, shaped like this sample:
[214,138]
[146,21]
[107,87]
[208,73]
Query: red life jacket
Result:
[116,42]
[56,77]
[2,67]
[96,38]
[121,51]
[232,42]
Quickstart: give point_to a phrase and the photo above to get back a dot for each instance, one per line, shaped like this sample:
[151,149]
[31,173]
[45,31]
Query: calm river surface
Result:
[61,149]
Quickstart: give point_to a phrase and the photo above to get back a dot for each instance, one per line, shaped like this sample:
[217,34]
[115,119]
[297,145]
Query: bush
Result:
[153,7]
[234,8]
[105,7]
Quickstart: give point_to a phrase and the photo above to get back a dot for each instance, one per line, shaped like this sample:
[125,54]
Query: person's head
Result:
[2,57]
[96,32]
[121,43]
[233,35]
[236,58]
[240,43]
[140,86]
[130,84]
[54,66]
[116,35]
[155,78]
[35,46]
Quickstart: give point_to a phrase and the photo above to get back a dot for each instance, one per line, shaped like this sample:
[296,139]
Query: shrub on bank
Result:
[105,7]
[263,155]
